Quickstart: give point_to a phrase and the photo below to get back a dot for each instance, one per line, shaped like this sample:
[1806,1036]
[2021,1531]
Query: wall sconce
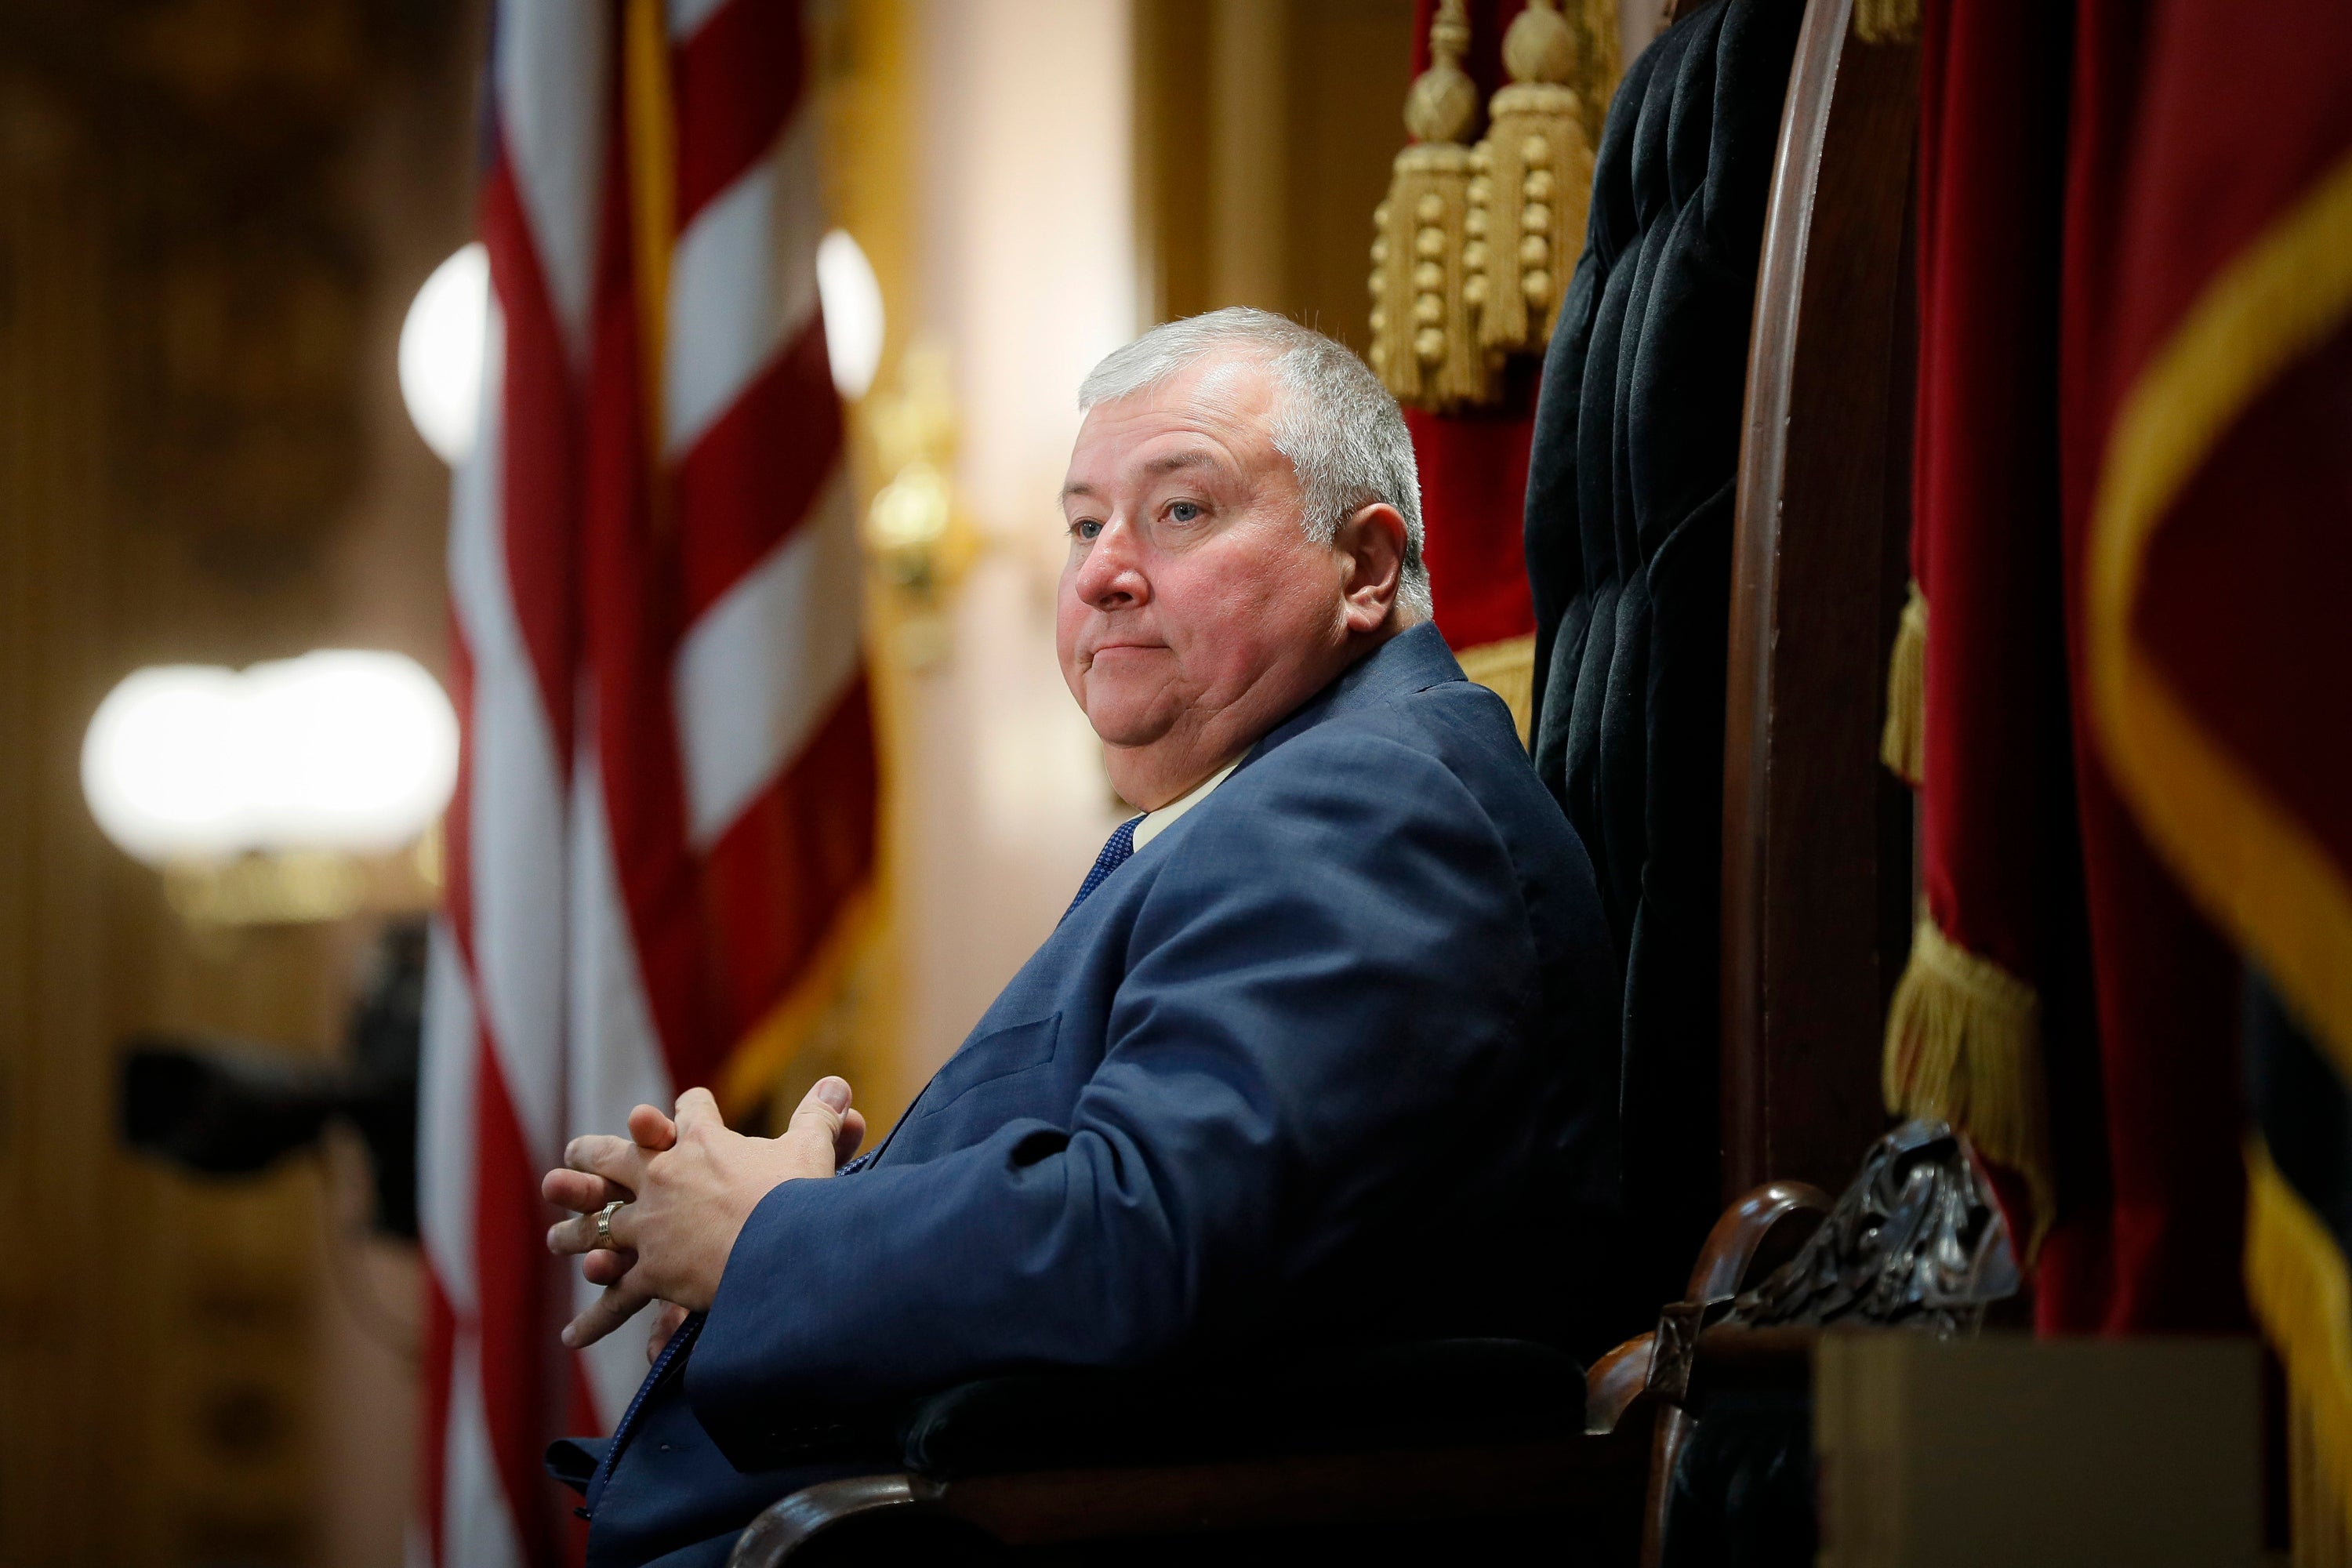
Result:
[287,793]
[916,537]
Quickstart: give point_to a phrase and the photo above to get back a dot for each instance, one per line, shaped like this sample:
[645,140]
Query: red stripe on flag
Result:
[781,875]
[757,472]
[512,1261]
[457,823]
[739,78]
[538,464]
[631,625]
[437,1345]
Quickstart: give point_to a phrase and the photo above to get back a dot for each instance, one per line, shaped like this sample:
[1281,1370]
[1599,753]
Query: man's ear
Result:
[1371,545]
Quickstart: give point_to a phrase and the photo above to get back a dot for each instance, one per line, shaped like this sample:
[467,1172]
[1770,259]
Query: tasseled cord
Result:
[1964,1046]
[1902,745]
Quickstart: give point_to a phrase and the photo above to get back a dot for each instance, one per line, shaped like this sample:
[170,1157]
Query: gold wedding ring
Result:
[605,1221]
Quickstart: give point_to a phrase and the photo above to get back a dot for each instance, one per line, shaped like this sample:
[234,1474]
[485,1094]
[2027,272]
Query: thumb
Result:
[816,1126]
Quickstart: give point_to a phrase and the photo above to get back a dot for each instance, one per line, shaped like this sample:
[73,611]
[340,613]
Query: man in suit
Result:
[1322,1050]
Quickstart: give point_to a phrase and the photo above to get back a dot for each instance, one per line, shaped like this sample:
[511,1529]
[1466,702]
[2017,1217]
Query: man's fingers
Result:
[615,1159]
[608,1312]
[649,1129]
[816,1127]
[699,1108]
[852,1133]
[606,1266]
[666,1323]
[578,1192]
[567,1237]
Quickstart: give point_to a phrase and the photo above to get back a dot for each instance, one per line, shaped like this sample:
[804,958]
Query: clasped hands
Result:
[687,1185]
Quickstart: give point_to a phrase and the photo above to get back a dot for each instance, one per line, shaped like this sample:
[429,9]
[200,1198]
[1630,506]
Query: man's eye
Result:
[1183,510]
[1086,527]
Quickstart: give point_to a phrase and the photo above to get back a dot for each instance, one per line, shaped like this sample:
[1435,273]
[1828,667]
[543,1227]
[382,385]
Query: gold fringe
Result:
[2296,1280]
[1903,745]
[1506,668]
[1964,1044]
[2319,1528]
[1886,21]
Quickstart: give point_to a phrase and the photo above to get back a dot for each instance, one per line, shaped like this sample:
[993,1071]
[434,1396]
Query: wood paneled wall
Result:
[1265,130]
[212,215]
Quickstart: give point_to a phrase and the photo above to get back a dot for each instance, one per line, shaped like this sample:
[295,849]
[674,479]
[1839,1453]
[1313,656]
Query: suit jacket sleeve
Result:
[1327,977]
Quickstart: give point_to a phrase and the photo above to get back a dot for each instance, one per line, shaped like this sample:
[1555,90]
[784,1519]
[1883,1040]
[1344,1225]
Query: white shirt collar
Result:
[1152,823]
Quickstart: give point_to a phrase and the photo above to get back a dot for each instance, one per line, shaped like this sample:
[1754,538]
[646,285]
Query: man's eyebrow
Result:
[1194,458]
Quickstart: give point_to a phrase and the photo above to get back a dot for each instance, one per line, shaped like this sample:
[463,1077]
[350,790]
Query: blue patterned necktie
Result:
[1114,854]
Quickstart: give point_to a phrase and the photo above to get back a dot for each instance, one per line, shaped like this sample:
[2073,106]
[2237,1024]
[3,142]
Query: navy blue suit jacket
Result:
[1332,1056]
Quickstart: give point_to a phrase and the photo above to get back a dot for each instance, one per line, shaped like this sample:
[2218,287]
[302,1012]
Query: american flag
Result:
[663,826]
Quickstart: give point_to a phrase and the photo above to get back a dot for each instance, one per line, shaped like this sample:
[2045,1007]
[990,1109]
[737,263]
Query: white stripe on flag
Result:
[767,662]
[742,283]
[476,1529]
[516,807]
[617,1061]
[445,1145]
[548,65]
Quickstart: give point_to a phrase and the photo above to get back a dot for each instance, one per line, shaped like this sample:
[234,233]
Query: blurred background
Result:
[240,338]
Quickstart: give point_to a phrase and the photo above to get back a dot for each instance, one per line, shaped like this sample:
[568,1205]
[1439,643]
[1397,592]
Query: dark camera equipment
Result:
[231,1108]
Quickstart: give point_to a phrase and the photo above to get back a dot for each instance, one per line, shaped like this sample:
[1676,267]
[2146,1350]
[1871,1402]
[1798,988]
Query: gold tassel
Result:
[1964,1046]
[2296,1280]
[1886,21]
[1598,52]
[1424,341]
[1506,668]
[1903,745]
[1522,246]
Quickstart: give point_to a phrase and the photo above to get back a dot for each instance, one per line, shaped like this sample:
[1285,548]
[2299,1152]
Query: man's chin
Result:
[1127,726]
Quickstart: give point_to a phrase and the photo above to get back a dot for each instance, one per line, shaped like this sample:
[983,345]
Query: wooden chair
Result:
[1600,1483]
[1816,899]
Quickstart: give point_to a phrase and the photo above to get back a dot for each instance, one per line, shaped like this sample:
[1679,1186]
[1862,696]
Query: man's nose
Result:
[1111,576]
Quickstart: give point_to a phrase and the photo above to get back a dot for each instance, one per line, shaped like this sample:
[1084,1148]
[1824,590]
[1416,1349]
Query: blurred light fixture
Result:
[852,298]
[441,352]
[337,751]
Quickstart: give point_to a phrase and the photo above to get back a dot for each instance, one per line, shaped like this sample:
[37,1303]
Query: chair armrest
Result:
[1615,1381]
[789,1524]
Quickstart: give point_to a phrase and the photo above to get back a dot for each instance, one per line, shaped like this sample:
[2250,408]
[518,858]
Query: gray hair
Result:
[1343,433]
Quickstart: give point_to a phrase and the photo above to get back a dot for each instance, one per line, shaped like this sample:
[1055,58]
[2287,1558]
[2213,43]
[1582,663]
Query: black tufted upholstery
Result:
[1629,544]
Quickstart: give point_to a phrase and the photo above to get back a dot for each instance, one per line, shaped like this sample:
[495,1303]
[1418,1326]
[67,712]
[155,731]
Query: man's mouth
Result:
[1126,647]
